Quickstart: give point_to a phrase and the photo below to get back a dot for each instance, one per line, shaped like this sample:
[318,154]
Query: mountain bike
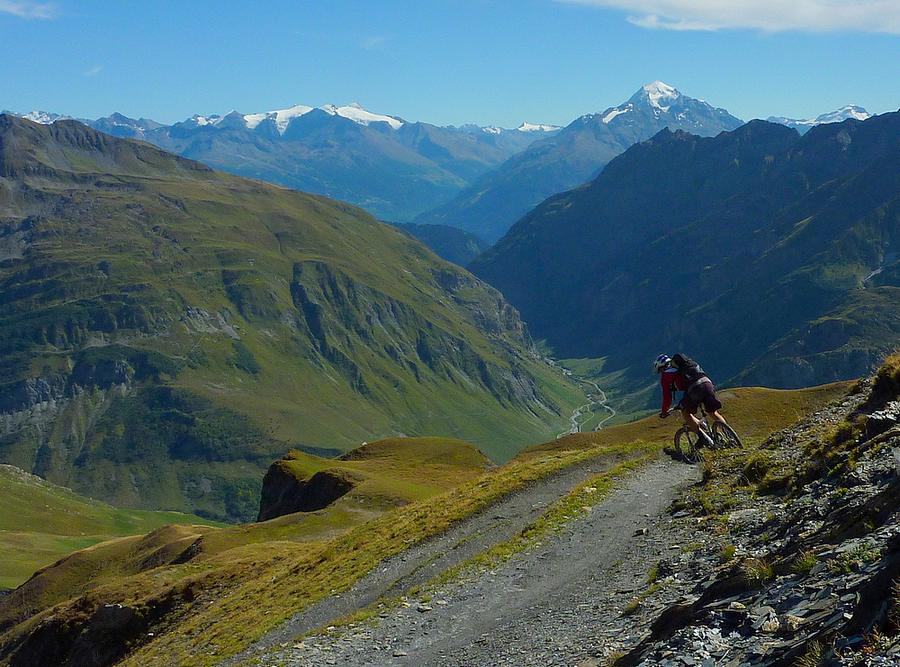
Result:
[688,443]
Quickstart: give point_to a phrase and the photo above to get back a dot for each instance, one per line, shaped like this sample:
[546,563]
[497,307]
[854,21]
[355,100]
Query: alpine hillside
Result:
[770,255]
[167,330]
[393,168]
[490,206]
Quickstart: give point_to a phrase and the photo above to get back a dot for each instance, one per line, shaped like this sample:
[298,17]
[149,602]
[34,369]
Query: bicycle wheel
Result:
[686,445]
[725,437]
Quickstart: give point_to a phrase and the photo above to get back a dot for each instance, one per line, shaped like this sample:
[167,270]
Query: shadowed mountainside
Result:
[493,203]
[769,255]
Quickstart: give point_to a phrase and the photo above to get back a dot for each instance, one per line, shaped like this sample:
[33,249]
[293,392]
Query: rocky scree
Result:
[814,577]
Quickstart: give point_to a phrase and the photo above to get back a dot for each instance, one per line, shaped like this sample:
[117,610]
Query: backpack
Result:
[689,368]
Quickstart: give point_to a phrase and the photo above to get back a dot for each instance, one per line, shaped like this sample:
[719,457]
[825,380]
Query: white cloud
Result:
[93,71]
[766,15]
[26,9]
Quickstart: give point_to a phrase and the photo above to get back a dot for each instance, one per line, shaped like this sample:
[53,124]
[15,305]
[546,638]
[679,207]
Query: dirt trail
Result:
[582,413]
[548,606]
[425,561]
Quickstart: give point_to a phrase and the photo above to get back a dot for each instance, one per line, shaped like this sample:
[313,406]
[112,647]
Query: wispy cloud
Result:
[93,71]
[373,42]
[26,9]
[765,15]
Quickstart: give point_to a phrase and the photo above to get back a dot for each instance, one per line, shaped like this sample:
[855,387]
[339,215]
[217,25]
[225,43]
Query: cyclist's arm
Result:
[666,383]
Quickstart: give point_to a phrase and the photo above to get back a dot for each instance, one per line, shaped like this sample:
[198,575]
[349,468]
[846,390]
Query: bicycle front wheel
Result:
[687,446]
[725,437]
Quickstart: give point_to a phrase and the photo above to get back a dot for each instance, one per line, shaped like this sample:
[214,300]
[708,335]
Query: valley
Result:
[293,383]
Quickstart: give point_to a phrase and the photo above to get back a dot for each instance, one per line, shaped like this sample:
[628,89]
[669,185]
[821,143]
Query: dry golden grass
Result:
[248,579]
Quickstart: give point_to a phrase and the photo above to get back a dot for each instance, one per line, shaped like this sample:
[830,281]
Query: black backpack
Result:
[689,368]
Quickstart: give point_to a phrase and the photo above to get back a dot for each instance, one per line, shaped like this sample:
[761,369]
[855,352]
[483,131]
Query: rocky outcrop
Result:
[283,492]
[815,578]
[97,636]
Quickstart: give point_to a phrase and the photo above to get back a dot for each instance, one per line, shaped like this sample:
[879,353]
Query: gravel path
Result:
[558,604]
[424,561]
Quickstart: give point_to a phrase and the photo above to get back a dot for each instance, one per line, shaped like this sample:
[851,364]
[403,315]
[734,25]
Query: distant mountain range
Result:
[771,255]
[842,114]
[479,179]
[393,168]
[167,330]
[490,206]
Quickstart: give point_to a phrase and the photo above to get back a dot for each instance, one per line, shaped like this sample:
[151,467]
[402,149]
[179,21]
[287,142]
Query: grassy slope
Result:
[138,240]
[248,589]
[42,522]
[396,470]
[754,412]
[392,472]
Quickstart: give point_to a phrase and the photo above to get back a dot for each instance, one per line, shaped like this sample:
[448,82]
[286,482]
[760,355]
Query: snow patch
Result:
[359,115]
[203,121]
[251,120]
[285,116]
[536,127]
[615,112]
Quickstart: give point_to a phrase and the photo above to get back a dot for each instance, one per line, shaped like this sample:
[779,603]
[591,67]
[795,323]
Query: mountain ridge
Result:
[160,318]
[392,167]
[778,228]
[490,206]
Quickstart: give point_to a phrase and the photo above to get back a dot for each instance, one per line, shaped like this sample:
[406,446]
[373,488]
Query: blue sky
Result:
[447,61]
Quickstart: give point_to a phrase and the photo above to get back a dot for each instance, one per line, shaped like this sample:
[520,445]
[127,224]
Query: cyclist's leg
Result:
[690,420]
[688,410]
[712,404]
[717,416]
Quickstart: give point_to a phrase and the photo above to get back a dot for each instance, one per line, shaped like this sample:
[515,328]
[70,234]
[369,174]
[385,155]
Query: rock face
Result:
[95,638]
[815,578]
[283,493]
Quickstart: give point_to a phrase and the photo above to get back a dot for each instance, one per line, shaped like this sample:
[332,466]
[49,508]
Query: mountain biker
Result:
[680,373]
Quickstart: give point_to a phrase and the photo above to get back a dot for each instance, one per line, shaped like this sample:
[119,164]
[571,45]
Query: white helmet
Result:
[662,362]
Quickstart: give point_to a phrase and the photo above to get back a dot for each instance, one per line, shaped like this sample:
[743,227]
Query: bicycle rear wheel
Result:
[686,445]
[725,437]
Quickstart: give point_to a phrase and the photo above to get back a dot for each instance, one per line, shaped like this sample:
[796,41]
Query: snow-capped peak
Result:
[536,127]
[202,121]
[850,111]
[844,113]
[658,93]
[357,114]
[281,117]
[42,117]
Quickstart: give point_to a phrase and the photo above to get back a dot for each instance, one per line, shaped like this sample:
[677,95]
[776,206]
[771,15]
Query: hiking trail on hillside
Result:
[543,606]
